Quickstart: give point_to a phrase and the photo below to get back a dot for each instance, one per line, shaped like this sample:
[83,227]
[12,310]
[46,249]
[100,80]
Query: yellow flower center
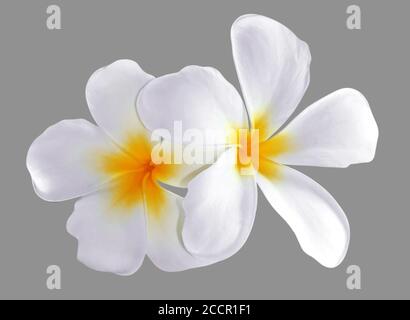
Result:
[134,175]
[256,153]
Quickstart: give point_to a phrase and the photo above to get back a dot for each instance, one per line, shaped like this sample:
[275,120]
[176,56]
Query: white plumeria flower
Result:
[123,213]
[336,131]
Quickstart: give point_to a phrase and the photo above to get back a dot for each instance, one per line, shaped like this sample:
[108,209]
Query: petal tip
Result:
[335,258]
[372,127]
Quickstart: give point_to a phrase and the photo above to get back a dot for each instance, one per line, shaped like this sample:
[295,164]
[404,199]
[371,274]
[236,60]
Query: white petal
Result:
[220,209]
[336,131]
[199,97]
[110,239]
[164,224]
[318,222]
[273,69]
[111,96]
[179,175]
[60,160]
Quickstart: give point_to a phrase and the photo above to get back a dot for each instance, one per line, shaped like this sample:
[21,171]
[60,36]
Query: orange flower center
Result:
[134,176]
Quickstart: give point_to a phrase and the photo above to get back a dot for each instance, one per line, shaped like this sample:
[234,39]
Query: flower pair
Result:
[125,213]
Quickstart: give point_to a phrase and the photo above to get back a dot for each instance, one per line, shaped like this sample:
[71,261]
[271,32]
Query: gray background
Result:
[43,75]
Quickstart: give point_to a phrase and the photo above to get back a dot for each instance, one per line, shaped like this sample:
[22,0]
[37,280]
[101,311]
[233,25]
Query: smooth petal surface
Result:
[111,94]
[273,70]
[185,168]
[110,239]
[164,224]
[178,175]
[318,222]
[220,209]
[336,131]
[61,160]
[199,97]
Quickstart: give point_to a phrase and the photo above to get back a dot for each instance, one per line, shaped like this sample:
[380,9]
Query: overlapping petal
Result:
[198,97]
[220,209]
[165,218]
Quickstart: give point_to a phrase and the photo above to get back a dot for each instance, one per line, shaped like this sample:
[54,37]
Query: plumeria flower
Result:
[123,212]
[336,131]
